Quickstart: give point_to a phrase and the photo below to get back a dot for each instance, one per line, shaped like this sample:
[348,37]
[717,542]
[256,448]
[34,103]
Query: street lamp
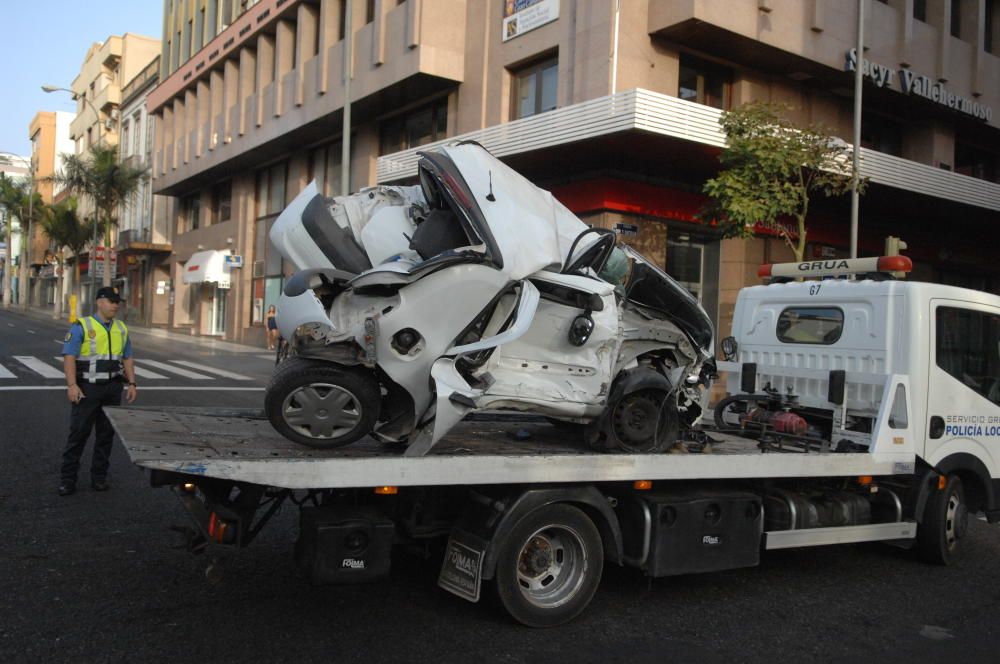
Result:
[25,245]
[97,118]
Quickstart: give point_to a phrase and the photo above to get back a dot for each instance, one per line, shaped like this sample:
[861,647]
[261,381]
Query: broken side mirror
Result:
[581,329]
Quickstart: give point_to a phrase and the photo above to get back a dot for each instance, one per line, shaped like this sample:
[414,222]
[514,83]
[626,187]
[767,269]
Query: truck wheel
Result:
[946,519]
[321,405]
[549,566]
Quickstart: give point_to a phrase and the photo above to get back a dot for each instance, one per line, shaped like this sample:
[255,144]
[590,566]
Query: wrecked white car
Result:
[476,290]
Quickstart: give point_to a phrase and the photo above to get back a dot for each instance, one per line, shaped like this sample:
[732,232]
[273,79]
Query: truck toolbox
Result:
[343,544]
[693,531]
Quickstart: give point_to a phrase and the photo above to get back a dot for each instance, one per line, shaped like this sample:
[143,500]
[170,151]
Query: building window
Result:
[810,325]
[343,19]
[370,11]
[222,202]
[956,19]
[990,21]
[413,129]
[191,212]
[124,141]
[920,10]
[976,162]
[534,89]
[882,134]
[268,275]
[703,82]
[137,133]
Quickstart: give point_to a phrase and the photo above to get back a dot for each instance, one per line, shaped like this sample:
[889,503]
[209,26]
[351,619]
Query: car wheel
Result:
[946,519]
[549,566]
[322,405]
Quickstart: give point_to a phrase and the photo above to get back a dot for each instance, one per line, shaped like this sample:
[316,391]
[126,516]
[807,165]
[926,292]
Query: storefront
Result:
[207,277]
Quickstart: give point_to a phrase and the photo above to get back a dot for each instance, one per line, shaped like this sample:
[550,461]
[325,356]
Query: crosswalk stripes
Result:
[141,373]
[39,367]
[5,373]
[177,370]
[212,370]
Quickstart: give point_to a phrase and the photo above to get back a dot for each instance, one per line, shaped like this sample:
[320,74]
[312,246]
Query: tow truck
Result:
[860,408]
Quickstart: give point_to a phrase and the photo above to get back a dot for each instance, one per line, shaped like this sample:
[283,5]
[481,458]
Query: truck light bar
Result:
[836,267]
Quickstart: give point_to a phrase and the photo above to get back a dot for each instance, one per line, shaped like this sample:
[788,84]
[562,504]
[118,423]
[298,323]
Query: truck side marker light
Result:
[942,482]
[188,486]
[865,480]
[217,528]
[387,490]
[642,485]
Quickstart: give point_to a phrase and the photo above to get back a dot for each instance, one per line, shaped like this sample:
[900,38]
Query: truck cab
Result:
[908,371]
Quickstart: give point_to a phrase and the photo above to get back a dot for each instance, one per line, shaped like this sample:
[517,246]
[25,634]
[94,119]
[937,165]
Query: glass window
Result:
[125,145]
[276,181]
[222,199]
[703,82]
[191,211]
[967,347]
[974,161]
[137,133]
[534,89]
[810,325]
[920,10]
[897,414]
[420,127]
[684,263]
[882,134]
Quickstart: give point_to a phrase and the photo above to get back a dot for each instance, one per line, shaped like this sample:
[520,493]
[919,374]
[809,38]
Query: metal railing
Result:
[656,113]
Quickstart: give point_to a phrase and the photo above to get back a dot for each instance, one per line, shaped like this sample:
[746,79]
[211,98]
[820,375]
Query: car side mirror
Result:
[581,329]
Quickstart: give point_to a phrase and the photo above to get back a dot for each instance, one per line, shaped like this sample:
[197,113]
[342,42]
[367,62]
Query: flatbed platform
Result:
[241,445]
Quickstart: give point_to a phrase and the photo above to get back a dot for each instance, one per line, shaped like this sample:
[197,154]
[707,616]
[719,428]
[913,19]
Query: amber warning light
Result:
[836,267]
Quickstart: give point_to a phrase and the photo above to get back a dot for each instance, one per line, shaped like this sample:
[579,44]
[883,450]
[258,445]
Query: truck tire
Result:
[946,518]
[322,405]
[549,566]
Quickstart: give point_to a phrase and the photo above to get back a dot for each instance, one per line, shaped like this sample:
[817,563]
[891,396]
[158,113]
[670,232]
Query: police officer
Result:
[97,361]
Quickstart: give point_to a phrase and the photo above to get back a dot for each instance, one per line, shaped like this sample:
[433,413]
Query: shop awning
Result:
[207,266]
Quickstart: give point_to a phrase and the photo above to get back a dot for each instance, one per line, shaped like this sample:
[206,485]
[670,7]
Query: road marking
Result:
[31,331]
[177,370]
[142,373]
[141,389]
[5,373]
[36,365]
[266,357]
[212,370]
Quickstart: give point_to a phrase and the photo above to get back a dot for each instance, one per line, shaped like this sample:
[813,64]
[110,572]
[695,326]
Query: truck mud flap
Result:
[462,568]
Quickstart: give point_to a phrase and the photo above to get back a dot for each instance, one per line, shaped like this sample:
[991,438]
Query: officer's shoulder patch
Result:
[69,335]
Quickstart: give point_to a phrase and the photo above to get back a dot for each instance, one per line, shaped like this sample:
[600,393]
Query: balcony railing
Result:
[644,110]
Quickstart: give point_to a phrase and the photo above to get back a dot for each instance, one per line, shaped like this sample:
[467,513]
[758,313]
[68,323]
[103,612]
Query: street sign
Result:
[234,261]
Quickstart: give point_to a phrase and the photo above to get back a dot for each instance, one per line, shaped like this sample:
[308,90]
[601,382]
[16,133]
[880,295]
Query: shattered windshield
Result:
[653,289]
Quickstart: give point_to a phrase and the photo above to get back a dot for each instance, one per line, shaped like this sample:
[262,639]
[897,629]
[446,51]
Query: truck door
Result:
[963,382]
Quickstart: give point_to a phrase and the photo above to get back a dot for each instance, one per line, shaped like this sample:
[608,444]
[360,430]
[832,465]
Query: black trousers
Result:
[87,415]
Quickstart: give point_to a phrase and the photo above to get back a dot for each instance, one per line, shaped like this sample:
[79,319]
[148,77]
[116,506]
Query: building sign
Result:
[912,83]
[234,261]
[96,267]
[520,16]
[627,229]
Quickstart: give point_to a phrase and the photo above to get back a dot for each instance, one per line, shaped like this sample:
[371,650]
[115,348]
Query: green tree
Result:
[100,178]
[63,226]
[17,199]
[770,169]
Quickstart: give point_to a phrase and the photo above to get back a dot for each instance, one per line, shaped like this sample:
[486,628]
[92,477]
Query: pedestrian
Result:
[97,361]
[272,328]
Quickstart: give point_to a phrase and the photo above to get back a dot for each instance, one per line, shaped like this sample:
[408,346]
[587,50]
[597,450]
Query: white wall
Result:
[64,144]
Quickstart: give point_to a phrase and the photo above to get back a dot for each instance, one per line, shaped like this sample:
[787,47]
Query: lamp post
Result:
[97,118]
[25,245]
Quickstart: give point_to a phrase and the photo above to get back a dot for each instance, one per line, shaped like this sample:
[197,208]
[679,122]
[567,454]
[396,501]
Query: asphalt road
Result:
[93,577]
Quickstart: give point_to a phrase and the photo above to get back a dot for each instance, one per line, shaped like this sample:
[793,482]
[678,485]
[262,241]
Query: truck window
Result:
[810,325]
[968,348]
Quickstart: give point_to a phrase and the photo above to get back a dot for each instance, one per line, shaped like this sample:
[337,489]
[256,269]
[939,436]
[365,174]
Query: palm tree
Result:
[106,183]
[17,199]
[62,225]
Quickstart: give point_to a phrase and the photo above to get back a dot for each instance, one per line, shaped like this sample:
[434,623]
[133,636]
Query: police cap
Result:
[108,293]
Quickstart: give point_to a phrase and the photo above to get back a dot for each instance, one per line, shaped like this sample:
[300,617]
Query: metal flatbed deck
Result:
[242,446]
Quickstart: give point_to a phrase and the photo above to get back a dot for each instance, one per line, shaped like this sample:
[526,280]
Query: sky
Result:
[43,42]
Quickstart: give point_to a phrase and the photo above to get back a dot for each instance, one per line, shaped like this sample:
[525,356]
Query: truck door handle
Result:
[937,426]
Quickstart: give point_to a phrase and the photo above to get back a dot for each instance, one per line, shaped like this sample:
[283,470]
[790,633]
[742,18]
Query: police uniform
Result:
[99,349]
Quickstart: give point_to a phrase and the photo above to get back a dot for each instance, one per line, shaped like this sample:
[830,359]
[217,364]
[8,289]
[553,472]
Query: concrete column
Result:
[230,99]
[265,72]
[284,59]
[307,37]
[247,85]
[329,34]
[216,122]
[203,127]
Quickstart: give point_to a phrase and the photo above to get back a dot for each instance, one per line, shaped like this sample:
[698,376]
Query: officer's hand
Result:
[130,394]
[74,394]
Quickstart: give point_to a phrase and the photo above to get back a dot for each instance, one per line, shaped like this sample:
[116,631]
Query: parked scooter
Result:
[414,306]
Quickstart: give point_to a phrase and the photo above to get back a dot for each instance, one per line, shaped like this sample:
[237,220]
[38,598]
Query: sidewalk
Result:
[203,342]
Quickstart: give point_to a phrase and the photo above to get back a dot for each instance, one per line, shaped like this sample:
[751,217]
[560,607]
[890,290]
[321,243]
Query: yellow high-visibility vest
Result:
[101,351]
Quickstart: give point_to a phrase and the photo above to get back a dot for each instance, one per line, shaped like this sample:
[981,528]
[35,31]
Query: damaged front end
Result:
[414,306]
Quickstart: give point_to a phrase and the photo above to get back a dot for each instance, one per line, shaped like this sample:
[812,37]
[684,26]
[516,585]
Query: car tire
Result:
[945,521]
[322,405]
[549,566]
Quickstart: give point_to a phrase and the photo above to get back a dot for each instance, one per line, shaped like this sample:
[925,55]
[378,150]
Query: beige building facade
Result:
[612,106]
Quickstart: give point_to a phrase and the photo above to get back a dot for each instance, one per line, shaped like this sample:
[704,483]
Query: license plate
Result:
[462,569]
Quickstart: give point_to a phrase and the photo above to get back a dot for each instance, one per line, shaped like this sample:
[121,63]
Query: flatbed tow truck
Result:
[860,410]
